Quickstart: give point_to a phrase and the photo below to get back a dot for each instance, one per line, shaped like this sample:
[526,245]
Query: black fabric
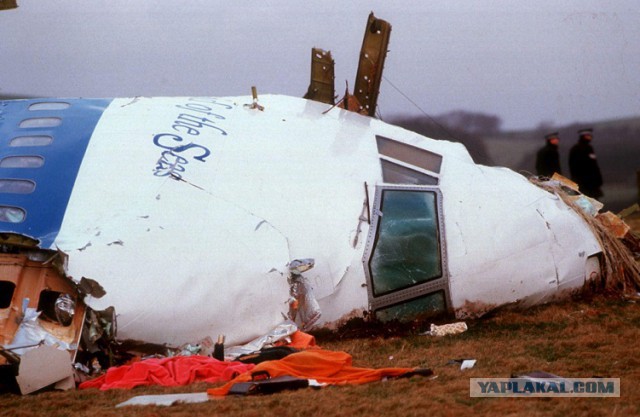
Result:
[267,354]
[268,385]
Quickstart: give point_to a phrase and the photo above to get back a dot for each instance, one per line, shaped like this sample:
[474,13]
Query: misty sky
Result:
[526,61]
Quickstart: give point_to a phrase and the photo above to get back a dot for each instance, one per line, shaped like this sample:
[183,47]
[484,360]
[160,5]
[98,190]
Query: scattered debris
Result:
[447,329]
[218,348]
[280,332]
[464,363]
[303,306]
[43,366]
[267,354]
[45,325]
[166,399]
[620,272]
[254,105]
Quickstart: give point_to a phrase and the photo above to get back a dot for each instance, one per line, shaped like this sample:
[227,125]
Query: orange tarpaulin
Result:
[302,340]
[169,372]
[322,365]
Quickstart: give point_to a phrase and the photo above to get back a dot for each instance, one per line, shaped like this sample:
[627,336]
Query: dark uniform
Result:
[548,157]
[584,165]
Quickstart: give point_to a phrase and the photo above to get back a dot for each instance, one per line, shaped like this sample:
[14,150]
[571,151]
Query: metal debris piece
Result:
[321,86]
[166,399]
[303,306]
[280,332]
[372,56]
[43,366]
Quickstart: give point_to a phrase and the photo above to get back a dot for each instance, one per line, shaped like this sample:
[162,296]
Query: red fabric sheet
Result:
[322,365]
[169,372]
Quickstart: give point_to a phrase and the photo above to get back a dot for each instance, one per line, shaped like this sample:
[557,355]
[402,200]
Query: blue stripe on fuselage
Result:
[46,205]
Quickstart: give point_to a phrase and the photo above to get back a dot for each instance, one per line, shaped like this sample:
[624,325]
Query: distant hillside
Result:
[616,142]
[11,97]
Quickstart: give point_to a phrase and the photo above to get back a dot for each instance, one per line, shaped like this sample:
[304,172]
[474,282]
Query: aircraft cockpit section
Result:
[405,258]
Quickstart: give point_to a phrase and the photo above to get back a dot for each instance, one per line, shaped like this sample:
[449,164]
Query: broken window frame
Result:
[406,294]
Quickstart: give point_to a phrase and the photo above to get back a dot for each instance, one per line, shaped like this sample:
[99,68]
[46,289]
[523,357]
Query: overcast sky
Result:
[526,61]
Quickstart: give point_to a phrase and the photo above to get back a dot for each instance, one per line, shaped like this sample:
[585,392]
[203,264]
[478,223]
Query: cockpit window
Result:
[411,155]
[31,141]
[13,186]
[407,245]
[405,263]
[41,122]
[52,105]
[25,161]
[393,173]
[10,214]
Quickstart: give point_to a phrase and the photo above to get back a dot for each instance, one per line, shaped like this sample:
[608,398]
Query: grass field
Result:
[584,338]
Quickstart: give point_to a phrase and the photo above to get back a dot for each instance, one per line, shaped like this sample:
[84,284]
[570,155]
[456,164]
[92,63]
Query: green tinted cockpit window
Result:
[407,248]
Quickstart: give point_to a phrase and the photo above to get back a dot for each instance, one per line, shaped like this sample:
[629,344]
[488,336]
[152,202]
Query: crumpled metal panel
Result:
[280,332]
[372,57]
[321,87]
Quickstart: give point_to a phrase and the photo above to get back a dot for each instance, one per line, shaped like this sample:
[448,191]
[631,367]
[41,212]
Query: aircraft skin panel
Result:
[276,174]
[498,239]
[60,161]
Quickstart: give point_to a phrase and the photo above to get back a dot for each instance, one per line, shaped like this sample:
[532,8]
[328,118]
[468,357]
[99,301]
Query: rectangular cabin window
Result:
[408,154]
[7,288]
[406,250]
[393,173]
[426,306]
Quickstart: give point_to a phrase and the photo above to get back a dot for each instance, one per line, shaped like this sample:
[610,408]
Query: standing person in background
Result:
[584,165]
[548,157]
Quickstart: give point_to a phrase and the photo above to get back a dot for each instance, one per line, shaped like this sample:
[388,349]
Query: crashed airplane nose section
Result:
[189,212]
